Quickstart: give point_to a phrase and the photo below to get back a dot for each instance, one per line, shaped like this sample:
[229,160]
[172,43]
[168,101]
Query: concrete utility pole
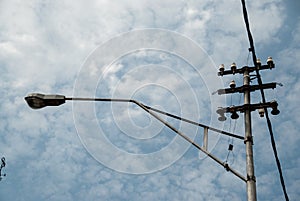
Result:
[251,186]
[247,108]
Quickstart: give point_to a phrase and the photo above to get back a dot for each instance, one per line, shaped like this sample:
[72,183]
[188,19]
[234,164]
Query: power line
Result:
[252,49]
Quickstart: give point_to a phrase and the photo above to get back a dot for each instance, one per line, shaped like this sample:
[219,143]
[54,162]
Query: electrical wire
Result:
[235,122]
[230,139]
[248,58]
[233,129]
[263,99]
[230,118]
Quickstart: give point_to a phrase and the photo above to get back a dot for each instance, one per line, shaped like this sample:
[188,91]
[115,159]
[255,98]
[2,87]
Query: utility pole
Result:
[247,108]
[251,187]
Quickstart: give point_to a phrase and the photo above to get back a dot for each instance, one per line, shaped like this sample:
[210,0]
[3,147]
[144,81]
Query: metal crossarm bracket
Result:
[242,89]
[252,107]
[243,69]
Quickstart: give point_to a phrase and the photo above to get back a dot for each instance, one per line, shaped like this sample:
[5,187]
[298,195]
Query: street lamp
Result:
[38,101]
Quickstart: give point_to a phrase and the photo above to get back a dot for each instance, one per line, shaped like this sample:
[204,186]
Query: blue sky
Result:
[164,54]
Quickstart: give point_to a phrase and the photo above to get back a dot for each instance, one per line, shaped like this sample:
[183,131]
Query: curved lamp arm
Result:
[37,101]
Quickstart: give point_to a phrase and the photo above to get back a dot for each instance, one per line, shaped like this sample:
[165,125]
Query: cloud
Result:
[43,46]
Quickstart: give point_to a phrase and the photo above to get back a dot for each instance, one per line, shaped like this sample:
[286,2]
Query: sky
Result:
[164,54]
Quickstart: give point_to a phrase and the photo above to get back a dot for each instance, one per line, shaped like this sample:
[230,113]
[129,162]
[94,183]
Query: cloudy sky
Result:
[164,54]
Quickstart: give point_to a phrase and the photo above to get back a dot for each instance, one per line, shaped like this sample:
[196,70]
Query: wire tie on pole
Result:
[249,138]
[253,178]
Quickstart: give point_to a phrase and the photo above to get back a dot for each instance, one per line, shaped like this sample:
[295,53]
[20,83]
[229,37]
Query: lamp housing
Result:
[38,101]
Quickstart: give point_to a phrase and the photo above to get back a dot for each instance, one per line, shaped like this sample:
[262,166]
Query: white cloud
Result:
[44,43]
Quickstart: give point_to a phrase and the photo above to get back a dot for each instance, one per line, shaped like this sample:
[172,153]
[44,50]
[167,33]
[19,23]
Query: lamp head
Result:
[37,100]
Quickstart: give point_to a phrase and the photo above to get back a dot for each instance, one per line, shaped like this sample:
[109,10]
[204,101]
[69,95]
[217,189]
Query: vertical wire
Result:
[273,143]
